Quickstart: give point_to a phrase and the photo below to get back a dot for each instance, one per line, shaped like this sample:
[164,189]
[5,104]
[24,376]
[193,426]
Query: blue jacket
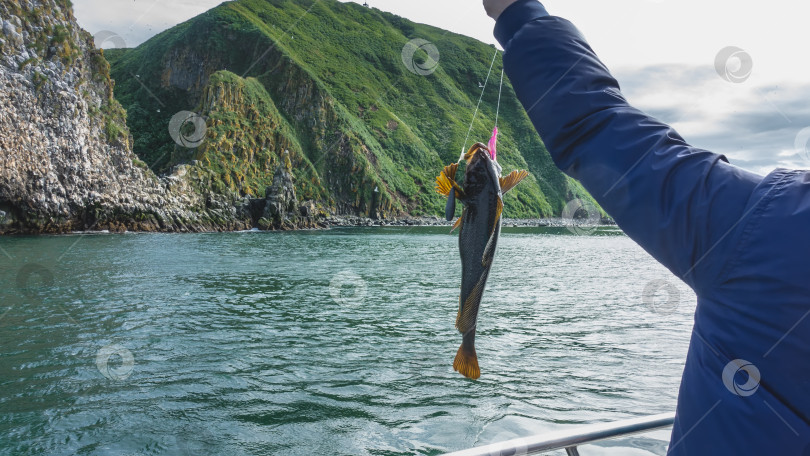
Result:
[740,241]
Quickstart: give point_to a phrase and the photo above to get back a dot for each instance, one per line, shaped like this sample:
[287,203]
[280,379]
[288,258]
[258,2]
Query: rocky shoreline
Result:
[350,221]
[330,222]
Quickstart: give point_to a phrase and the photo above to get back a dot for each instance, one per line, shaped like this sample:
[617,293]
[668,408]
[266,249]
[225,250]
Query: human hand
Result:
[496,7]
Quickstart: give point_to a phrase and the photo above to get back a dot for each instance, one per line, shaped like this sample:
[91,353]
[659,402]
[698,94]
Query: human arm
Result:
[677,201]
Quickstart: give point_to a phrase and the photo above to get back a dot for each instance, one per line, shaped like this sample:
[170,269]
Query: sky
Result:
[754,107]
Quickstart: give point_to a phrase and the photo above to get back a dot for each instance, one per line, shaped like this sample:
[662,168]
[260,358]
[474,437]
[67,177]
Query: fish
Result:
[479,228]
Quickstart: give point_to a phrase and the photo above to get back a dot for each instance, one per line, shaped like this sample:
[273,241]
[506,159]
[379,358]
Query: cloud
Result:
[756,127]
[137,20]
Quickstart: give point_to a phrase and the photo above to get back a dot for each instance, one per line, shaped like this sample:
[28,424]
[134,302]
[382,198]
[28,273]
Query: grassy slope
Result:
[244,130]
[402,126]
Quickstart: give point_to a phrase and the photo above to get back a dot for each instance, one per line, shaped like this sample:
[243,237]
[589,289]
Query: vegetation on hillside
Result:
[326,81]
[244,126]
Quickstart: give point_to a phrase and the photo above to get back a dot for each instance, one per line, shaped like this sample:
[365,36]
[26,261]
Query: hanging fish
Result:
[480,222]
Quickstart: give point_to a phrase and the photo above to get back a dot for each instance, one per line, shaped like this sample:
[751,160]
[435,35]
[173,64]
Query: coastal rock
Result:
[65,147]
[282,193]
[307,209]
[10,32]
[282,210]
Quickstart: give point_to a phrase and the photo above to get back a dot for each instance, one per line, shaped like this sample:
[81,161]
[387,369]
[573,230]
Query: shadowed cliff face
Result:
[65,148]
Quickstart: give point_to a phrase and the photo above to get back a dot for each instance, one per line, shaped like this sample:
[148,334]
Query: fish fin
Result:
[468,310]
[443,185]
[446,179]
[489,253]
[509,182]
[498,213]
[458,222]
[450,170]
[466,362]
[458,316]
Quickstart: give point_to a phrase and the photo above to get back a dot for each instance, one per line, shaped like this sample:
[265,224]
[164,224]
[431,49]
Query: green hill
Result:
[326,81]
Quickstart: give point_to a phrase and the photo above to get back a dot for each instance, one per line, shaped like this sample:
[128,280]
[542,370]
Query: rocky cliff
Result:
[65,149]
[268,113]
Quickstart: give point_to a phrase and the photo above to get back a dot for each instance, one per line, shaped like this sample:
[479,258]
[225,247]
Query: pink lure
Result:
[493,144]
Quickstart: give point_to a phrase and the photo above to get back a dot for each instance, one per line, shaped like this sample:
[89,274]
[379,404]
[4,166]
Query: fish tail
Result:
[466,362]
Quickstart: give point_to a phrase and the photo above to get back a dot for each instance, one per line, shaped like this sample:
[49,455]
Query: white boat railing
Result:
[571,439]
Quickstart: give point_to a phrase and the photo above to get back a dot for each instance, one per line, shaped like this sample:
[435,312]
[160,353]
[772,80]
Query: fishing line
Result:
[464,147]
[498,106]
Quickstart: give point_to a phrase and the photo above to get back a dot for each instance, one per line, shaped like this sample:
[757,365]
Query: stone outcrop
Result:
[66,162]
[281,208]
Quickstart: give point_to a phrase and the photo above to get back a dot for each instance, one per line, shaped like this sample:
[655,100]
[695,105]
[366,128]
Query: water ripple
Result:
[337,342]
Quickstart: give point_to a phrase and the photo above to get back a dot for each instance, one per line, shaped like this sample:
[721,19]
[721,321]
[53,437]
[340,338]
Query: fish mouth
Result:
[476,152]
[481,153]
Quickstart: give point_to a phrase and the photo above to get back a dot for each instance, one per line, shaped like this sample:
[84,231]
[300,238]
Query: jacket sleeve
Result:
[678,202]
